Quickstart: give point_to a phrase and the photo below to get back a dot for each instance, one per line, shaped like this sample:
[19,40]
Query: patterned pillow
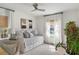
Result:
[19,33]
[26,34]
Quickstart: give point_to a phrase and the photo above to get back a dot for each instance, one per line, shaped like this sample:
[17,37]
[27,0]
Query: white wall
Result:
[40,24]
[16,19]
[2,11]
[69,15]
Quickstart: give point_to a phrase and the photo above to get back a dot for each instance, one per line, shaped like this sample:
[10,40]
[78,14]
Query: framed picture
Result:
[23,23]
[30,24]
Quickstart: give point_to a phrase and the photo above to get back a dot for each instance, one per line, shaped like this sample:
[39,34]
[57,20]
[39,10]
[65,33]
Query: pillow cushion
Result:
[31,35]
[26,34]
[34,32]
[19,33]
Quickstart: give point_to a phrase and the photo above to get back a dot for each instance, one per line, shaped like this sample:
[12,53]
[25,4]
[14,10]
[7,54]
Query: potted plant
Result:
[59,45]
[60,48]
[72,34]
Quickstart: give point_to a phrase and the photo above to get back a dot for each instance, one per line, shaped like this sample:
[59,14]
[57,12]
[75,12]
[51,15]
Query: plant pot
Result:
[61,50]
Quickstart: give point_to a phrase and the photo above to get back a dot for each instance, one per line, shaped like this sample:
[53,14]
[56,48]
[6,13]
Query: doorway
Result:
[53,31]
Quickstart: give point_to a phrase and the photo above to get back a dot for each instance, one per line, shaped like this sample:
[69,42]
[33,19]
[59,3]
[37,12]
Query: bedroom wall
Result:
[40,24]
[16,19]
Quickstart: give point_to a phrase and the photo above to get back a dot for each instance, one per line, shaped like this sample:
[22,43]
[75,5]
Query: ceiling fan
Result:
[35,5]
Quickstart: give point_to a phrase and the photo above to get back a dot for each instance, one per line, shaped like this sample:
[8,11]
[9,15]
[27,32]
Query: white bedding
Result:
[43,49]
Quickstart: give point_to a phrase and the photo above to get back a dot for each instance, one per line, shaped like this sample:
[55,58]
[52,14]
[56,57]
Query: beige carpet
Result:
[44,49]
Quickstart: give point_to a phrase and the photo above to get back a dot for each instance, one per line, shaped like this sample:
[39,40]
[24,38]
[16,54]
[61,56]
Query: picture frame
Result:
[30,24]
[23,23]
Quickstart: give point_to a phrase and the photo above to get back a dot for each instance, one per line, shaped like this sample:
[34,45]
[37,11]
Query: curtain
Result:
[57,35]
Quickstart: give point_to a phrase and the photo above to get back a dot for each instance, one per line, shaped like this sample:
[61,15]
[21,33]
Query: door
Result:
[53,31]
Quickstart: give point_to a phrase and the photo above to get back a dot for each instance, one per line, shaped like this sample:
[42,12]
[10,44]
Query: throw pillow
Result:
[34,33]
[31,35]
[26,34]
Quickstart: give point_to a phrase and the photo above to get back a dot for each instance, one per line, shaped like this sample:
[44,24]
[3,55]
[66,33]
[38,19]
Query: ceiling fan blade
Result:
[41,9]
[35,5]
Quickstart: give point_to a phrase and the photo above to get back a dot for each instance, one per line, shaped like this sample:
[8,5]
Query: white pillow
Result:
[31,35]
[34,32]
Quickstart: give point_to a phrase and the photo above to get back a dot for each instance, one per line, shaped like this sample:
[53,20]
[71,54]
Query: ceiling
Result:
[50,7]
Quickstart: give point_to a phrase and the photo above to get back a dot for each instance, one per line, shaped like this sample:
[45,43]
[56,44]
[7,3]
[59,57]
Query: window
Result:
[50,28]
